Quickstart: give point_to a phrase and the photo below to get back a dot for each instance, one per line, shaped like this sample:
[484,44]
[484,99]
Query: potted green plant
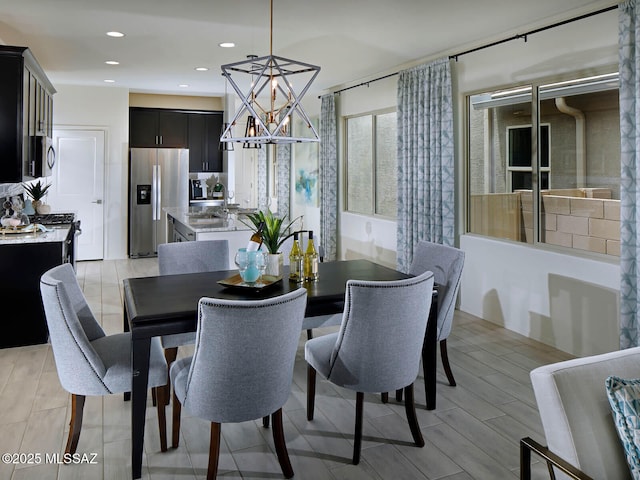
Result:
[37,191]
[275,231]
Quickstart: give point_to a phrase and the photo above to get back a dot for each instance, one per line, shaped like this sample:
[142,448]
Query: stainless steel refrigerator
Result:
[158,178]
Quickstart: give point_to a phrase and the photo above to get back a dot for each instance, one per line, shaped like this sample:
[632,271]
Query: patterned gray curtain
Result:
[628,39]
[328,177]
[262,178]
[283,167]
[425,158]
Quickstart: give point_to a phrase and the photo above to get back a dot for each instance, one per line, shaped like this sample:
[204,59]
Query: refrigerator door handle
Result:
[158,192]
[154,192]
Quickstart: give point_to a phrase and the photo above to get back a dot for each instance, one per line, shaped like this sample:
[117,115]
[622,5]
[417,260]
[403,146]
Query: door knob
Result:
[99,202]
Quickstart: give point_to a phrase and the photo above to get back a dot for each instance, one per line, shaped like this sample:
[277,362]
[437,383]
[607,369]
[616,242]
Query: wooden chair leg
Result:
[75,425]
[175,427]
[265,421]
[410,409]
[309,334]
[384,396]
[445,362]
[214,451]
[399,395]
[154,397]
[170,355]
[311,391]
[280,444]
[357,445]
[162,417]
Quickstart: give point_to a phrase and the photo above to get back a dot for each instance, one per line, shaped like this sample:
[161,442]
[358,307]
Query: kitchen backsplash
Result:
[10,189]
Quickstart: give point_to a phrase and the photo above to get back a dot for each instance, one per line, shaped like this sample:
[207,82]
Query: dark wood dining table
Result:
[166,304]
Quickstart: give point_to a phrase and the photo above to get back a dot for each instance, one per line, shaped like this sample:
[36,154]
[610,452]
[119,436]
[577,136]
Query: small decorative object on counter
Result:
[296,260]
[310,260]
[37,192]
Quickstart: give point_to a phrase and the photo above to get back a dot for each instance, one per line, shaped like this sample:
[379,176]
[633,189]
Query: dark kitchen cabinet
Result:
[204,142]
[155,128]
[26,113]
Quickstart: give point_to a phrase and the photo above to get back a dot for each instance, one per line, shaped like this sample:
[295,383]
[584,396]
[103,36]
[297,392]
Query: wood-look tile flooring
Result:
[473,433]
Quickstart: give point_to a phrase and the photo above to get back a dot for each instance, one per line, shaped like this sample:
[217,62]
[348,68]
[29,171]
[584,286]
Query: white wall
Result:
[107,108]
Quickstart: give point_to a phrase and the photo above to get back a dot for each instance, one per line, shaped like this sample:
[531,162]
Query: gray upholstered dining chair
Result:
[242,367]
[189,257]
[378,346]
[89,362]
[446,263]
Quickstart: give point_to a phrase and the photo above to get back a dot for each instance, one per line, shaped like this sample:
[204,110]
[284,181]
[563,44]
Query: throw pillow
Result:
[624,398]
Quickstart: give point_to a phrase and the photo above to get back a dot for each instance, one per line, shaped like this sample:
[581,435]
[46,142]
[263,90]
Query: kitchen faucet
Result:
[219,188]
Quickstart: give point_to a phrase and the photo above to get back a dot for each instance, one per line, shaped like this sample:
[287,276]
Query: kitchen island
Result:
[209,223]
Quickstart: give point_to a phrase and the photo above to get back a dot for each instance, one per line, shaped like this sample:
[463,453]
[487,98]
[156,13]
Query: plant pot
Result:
[42,208]
[275,261]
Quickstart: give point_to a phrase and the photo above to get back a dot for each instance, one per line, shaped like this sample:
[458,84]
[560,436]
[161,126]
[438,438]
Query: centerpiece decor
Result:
[274,233]
[37,191]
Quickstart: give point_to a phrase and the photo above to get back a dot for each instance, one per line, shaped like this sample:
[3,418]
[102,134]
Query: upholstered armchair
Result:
[89,362]
[581,436]
[242,367]
[378,346]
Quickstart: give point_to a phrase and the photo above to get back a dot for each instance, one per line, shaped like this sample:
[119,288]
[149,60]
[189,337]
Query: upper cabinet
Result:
[204,142]
[197,130]
[26,115]
[157,128]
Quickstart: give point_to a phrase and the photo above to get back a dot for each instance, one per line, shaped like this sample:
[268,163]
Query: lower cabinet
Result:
[22,265]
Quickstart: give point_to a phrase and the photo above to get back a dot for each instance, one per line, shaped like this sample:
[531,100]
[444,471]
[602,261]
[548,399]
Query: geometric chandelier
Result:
[270,102]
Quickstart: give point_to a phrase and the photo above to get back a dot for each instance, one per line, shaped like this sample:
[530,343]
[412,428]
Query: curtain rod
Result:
[493,44]
[531,32]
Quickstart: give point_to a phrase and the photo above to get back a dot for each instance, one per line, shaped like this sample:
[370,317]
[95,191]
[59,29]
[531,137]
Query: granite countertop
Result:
[208,219]
[57,234]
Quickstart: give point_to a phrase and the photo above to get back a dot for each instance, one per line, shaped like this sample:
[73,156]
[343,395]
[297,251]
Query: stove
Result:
[53,218]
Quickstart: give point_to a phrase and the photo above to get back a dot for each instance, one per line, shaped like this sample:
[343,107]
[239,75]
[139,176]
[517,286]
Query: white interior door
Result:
[78,185]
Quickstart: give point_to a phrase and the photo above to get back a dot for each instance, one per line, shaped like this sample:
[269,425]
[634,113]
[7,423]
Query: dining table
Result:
[167,304]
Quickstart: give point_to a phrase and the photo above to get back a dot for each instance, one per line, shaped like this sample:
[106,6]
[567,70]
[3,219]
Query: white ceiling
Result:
[351,40]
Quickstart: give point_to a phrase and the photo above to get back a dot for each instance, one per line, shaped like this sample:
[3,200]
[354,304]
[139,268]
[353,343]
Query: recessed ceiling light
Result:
[227,44]
[201,69]
[115,34]
[112,62]
[109,81]
[183,85]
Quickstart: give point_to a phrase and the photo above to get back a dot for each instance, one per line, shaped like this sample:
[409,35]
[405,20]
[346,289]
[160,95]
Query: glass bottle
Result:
[296,261]
[255,242]
[310,260]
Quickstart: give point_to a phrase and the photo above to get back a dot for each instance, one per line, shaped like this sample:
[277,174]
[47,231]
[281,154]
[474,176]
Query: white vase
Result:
[43,208]
[275,261]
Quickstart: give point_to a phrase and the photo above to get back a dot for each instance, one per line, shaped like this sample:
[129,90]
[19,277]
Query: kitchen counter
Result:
[57,234]
[198,223]
[205,219]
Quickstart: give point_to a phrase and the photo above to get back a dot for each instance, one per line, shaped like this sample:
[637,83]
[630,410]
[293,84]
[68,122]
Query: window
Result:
[371,165]
[519,158]
[547,172]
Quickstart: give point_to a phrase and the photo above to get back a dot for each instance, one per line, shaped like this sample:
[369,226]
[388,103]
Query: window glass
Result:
[572,164]
[360,164]
[371,164]
[386,165]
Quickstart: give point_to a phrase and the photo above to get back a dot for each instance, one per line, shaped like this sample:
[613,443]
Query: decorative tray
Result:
[31,228]
[236,282]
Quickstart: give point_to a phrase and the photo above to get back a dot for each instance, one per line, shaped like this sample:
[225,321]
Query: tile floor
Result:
[473,433]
